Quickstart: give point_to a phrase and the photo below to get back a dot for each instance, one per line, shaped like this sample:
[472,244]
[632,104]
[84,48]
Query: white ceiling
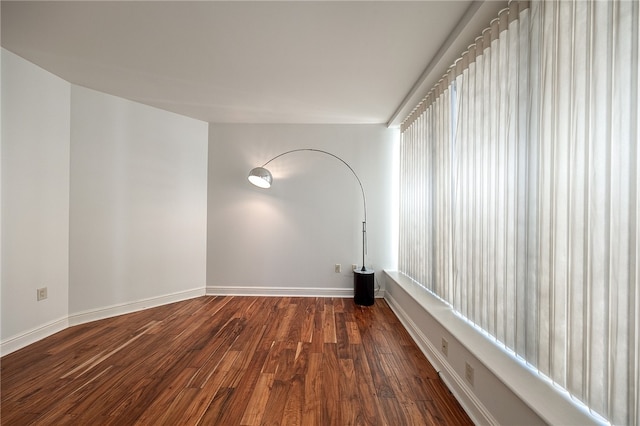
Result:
[240,61]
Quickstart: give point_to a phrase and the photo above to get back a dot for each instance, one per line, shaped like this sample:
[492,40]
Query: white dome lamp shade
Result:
[260,177]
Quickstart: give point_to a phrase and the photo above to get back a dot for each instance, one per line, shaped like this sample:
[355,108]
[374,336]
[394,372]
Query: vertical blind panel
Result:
[520,194]
[623,194]
[634,316]
[522,112]
[577,342]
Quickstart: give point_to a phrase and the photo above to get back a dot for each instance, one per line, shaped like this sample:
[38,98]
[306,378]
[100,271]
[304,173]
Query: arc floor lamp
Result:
[363,277]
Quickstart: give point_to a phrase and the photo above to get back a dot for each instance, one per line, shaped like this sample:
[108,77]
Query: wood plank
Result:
[329,324]
[255,409]
[317,339]
[367,394]
[293,409]
[353,333]
[312,409]
[342,336]
[308,320]
[331,385]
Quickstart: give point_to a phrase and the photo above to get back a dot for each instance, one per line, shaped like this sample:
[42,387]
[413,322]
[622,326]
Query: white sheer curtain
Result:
[520,194]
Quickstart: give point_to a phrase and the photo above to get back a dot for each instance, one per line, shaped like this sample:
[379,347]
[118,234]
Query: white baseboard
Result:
[31,336]
[12,344]
[282,291]
[278,291]
[129,307]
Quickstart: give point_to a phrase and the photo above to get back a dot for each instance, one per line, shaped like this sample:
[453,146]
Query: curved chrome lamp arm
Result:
[262,178]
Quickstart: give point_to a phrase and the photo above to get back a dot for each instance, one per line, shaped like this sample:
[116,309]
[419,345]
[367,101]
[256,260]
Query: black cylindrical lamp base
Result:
[364,293]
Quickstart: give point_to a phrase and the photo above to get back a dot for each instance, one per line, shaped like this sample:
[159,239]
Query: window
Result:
[520,194]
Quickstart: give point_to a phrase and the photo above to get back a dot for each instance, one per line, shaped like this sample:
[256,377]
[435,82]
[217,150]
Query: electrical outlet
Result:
[354,267]
[445,347]
[468,372]
[338,268]
[42,293]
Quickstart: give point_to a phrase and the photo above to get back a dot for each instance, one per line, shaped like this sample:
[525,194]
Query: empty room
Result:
[320,212]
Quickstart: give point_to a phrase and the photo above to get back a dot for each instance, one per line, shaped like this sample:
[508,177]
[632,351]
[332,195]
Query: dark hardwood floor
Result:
[230,361]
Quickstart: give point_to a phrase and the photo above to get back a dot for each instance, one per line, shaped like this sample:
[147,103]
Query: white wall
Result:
[103,202]
[1,258]
[138,202]
[286,240]
[35,198]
